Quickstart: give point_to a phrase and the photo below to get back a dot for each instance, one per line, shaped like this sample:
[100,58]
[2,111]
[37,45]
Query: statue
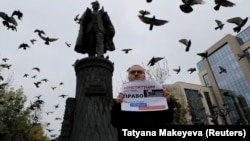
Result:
[96,32]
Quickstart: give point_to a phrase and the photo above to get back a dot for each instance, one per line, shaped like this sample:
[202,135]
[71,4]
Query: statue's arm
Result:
[108,24]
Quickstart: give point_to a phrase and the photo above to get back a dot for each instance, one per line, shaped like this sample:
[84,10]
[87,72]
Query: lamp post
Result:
[222,112]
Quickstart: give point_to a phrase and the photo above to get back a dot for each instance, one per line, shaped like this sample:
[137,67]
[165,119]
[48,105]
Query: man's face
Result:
[136,73]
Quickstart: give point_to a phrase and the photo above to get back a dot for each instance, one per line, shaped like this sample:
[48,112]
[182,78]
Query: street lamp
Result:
[222,112]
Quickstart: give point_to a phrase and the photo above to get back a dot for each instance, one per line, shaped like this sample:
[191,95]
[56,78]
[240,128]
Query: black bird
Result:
[77,19]
[144,12]
[191,70]
[187,43]
[63,95]
[25,75]
[32,41]
[45,80]
[49,130]
[36,68]
[48,39]
[177,70]
[56,106]
[40,32]
[224,3]
[24,46]
[12,27]
[49,112]
[38,97]
[220,25]
[53,88]
[240,22]
[154,60]
[18,13]
[222,70]
[186,7]
[203,54]
[241,55]
[6,66]
[152,21]
[126,50]
[148,1]
[68,45]
[8,19]
[37,84]
[58,118]
[5,59]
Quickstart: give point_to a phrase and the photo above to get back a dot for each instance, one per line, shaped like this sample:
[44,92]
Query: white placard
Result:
[143,96]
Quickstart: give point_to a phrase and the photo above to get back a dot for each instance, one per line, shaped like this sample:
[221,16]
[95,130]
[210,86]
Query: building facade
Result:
[226,70]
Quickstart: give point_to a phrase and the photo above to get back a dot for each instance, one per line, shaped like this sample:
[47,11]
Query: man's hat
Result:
[95,2]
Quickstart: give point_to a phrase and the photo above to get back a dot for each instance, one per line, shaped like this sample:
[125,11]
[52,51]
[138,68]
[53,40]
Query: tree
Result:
[15,120]
[179,103]
[160,72]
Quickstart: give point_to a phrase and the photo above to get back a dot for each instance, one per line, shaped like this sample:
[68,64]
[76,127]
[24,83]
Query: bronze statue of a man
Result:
[96,32]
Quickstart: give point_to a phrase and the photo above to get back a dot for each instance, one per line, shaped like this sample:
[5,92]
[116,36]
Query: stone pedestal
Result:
[93,102]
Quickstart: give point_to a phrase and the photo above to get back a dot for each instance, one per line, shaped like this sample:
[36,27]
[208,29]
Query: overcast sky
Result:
[55,61]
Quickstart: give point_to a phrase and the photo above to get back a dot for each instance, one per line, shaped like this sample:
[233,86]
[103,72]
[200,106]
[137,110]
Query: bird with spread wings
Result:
[152,21]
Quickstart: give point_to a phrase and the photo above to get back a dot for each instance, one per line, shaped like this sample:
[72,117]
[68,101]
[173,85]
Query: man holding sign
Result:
[141,104]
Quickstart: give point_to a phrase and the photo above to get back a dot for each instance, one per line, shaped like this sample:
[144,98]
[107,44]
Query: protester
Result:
[121,119]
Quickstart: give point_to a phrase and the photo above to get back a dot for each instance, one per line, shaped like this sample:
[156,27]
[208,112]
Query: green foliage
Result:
[179,113]
[15,123]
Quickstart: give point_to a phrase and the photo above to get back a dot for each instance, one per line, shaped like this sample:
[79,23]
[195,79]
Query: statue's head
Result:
[95,5]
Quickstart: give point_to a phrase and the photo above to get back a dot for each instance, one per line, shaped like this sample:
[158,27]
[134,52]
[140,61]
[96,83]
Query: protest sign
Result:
[143,96]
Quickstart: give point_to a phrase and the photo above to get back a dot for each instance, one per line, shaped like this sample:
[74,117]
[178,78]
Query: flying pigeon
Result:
[37,84]
[191,70]
[8,19]
[152,21]
[5,59]
[144,12]
[23,46]
[187,43]
[68,44]
[224,3]
[203,54]
[77,19]
[177,70]
[126,50]
[239,22]
[36,68]
[63,95]
[219,25]
[48,39]
[186,7]
[18,13]
[45,80]
[154,60]
[222,70]
[40,32]
[25,75]
[32,41]
[12,27]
